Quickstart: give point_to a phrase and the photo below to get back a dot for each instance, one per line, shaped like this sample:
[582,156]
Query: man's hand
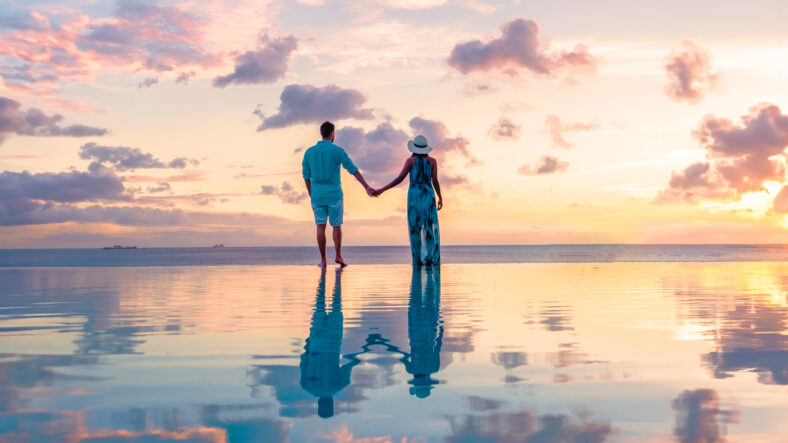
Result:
[372,192]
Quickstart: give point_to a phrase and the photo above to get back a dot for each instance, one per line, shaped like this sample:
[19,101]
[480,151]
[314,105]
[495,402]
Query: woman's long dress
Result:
[423,215]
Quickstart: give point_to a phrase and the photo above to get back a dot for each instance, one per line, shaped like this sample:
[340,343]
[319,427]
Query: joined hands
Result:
[372,192]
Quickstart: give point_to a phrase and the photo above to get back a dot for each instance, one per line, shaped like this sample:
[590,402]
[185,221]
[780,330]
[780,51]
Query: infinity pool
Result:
[492,352]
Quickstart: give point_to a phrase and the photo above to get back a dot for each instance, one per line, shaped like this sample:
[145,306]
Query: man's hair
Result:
[326,129]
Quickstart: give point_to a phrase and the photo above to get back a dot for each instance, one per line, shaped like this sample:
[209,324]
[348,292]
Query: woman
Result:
[422,209]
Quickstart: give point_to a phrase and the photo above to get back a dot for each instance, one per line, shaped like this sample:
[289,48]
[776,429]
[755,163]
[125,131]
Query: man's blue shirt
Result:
[321,166]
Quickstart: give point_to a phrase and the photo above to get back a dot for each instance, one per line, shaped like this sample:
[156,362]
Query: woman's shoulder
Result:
[433,161]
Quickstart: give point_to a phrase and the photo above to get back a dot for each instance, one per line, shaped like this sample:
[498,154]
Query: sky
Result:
[183,123]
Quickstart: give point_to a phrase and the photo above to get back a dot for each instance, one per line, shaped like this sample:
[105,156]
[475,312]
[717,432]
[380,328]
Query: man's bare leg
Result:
[321,243]
[338,246]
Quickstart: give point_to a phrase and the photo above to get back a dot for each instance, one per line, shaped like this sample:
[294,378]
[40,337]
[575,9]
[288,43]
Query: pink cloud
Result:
[141,36]
[34,122]
[690,74]
[741,157]
[557,127]
[505,129]
[518,48]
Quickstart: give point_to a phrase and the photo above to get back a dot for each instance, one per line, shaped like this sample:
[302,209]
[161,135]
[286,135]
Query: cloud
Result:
[518,48]
[285,192]
[140,36]
[740,157]
[696,182]
[184,77]
[557,127]
[147,83]
[477,87]
[123,158]
[160,187]
[26,22]
[379,151]
[690,74]
[24,195]
[504,129]
[546,165]
[438,137]
[781,201]
[311,104]
[198,199]
[34,122]
[266,64]
[160,37]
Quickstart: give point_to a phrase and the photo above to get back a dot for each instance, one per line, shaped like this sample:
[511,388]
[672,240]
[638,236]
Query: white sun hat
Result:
[419,145]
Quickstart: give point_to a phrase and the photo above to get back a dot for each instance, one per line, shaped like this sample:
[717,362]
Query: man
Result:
[320,168]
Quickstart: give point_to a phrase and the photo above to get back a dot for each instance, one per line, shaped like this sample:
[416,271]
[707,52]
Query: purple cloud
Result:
[147,83]
[124,158]
[546,165]
[285,192]
[311,104]
[160,187]
[184,77]
[504,129]
[266,64]
[25,22]
[379,151]
[438,137]
[34,122]
[518,47]
[23,194]
[689,74]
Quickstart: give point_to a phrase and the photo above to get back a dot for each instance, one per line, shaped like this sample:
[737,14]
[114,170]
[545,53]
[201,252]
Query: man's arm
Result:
[348,164]
[306,172]
[363,182]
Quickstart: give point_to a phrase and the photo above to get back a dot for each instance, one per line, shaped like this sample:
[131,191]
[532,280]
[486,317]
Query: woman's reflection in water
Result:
[425,331]
[322,374]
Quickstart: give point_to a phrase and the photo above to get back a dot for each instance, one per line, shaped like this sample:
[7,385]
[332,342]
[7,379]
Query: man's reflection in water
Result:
[425,331]
[322,374]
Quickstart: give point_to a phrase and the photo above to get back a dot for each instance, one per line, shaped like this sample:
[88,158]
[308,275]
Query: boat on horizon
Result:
[120,247]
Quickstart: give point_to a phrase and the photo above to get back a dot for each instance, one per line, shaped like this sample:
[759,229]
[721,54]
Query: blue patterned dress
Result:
[423,215]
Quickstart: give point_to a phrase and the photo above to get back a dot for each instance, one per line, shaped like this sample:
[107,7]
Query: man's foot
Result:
[341,262]
[322,264]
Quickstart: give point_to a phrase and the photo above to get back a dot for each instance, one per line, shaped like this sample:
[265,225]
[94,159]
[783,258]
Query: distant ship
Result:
[218,246]
[120,247]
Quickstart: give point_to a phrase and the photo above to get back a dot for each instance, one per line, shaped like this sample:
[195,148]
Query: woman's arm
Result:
[436,184]
[402,174]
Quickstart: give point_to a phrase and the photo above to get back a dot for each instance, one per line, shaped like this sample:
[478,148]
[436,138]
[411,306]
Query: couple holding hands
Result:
[320,169]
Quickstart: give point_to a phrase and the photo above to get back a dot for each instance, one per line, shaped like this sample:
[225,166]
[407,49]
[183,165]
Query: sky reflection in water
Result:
[513,352]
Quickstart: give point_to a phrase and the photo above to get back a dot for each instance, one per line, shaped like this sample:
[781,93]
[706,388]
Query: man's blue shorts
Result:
[333,212]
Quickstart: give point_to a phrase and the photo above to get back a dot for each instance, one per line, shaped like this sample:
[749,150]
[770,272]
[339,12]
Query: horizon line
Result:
[407,246]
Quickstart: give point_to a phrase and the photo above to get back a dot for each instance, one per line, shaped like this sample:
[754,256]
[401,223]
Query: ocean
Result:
[379,255]
[586,343]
